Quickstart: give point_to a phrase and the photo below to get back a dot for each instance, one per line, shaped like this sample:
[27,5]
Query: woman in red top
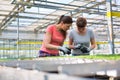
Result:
[55,36]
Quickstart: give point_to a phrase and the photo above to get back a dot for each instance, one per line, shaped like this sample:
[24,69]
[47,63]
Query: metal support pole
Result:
[110,26]
[0,31]
[18,33]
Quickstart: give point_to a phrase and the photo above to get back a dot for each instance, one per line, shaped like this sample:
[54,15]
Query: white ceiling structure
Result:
[36,15]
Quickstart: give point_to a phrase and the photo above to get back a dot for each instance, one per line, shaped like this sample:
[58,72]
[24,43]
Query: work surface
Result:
[72,66]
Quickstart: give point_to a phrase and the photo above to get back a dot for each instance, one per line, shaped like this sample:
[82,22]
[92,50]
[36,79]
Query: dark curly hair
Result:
[81,22]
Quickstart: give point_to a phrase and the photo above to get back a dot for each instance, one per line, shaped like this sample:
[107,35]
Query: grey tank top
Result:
[81,39]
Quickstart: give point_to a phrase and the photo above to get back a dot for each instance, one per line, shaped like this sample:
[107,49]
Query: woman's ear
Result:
[62,22]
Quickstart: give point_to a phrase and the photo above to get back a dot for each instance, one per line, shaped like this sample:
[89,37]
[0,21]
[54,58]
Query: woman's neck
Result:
[58,27]
[81,32]
[61,30]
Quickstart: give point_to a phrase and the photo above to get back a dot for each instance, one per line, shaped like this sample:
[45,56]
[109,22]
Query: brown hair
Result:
[81,22]
[65,19]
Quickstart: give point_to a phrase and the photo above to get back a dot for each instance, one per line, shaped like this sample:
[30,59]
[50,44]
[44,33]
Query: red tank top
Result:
[56,39]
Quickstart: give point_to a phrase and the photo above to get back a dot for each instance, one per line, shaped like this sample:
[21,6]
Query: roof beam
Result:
[8,17]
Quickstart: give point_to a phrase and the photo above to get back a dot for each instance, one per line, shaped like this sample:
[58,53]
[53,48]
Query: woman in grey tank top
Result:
[81,39]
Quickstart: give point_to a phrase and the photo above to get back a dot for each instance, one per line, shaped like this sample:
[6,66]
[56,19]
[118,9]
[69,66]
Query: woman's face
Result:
[65,27]
[81,29]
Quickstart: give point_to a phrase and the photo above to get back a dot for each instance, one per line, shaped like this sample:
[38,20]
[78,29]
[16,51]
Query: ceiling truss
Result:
[36,15]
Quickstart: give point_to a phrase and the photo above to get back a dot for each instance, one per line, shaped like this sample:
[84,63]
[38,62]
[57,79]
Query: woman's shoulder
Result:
[51,26]
[89,30]
[72,30]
